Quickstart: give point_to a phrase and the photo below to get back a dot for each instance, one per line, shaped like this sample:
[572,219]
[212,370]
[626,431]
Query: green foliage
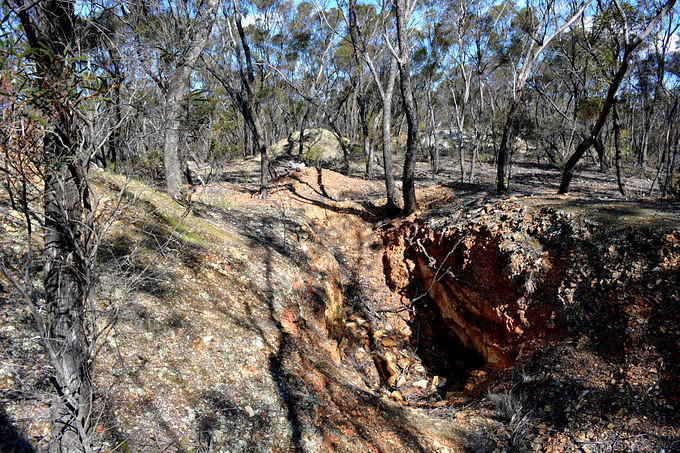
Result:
[150,165]
[356,152]
[180,231]
[588,108]
[526,21]
[343,55]
[672,185]
[314,155]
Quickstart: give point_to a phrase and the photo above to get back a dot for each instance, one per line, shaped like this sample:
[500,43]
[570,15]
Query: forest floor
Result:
[311,322]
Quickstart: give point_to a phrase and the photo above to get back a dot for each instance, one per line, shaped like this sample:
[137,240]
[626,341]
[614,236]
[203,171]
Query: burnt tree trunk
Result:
[502,179]
[408,176]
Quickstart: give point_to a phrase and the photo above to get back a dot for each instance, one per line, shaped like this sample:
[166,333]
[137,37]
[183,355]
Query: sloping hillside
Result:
[309,322]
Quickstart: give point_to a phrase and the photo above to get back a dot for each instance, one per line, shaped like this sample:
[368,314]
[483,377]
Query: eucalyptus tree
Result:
[312,37]
[176,86]
[484,34]
[403,9]
[649,84]
[242,73]
[363,24]
[671,132]
[662,105]
[625,44]
[101,38]
[374,49]
[171,37]
[431,42]
[569,83]
[461,16]
[537,24]
[312,66]
[50,78]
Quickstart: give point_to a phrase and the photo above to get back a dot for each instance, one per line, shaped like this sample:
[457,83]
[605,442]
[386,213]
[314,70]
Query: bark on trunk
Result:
[617,145]
[387,137]
[65,280]
[173,173]
[502,182]
[66,271]
[631,45]
[175,96]
[408,177]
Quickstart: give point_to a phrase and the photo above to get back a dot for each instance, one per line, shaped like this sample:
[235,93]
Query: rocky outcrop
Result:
[496,278]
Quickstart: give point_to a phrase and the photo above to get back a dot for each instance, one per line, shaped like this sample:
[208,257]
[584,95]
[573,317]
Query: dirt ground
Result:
[310,321]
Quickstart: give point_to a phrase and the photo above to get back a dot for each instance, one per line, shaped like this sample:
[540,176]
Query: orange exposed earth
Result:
[309,321]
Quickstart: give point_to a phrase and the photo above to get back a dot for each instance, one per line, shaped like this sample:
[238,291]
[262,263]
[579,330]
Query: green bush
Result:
[672,186]
[149,166]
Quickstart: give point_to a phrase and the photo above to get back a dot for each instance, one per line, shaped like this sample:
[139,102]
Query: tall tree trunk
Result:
[617,146]
[502,182]
[173,109]
[387,137]
[631,45]
[303,124]
[66,270]
[386,95]
[65,280]
[408,177]
[177,85]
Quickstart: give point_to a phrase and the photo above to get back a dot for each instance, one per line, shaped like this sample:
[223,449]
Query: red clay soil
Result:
[477,324]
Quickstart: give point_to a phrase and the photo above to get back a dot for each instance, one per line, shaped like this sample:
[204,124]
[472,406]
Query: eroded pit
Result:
[440,350]
[477,301]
